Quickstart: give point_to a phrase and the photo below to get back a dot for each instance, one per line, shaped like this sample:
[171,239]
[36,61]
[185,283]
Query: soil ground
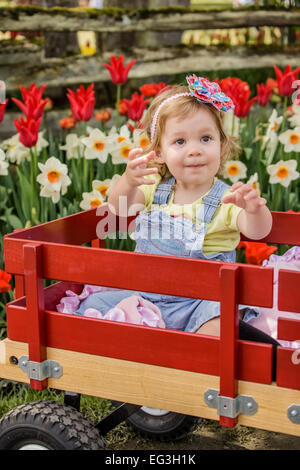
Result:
[210,436]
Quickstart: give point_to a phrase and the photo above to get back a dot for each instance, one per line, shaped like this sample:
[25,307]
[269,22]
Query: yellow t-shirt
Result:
[222,233]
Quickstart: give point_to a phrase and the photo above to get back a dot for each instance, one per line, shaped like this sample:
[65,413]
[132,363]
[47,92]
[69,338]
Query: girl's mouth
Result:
[194,166]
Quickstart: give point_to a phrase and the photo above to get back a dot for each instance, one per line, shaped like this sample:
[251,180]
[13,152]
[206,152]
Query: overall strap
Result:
[163,191]
[213,200]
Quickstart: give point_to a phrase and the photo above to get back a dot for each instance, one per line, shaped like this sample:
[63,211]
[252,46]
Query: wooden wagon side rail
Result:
[30,320]
[155,386]
[85,226]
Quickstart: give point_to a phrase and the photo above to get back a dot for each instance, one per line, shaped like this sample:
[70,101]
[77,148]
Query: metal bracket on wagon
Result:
[40,370]
[293,413]
[230,407]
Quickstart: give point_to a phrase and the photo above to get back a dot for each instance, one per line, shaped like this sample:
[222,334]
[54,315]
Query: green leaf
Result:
[248,152]
[14,221]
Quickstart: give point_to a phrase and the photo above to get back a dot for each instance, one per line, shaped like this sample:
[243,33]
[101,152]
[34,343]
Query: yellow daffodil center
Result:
[98,145]
[53,176]
[102,190]
[120,139]
[95,202]
[275,127]
[144,142]
[294,139]
[125,151]
[233,170]
[282,172]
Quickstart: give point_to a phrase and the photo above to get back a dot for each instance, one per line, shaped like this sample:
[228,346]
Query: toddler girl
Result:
[187,210]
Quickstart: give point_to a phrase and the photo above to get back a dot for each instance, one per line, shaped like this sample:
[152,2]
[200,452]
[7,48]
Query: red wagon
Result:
[147,370]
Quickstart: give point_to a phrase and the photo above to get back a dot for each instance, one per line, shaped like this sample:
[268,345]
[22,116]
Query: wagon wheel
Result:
[161,425]
[48,425]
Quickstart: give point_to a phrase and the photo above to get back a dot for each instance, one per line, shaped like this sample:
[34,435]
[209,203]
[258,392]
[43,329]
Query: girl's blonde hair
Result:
[181,107]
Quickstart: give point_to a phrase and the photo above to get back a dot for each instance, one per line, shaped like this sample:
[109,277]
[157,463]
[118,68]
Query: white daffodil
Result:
[124,133]
[73,146]
[103,187]
[253,180]
[295,118]
[53,178]
[3,164]
[283,172]
[91,200]
[291,140]
[140,139]
[15,151]
[274,124]
[98,146]
[121,145]
[231,123]
[41,142]
[235,170]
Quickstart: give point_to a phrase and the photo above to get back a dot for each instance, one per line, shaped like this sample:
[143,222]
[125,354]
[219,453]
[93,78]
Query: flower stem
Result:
[285,103]
[277,197]
[118,106]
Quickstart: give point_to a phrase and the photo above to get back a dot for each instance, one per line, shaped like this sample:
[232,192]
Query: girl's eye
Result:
[206,138]
[179,141]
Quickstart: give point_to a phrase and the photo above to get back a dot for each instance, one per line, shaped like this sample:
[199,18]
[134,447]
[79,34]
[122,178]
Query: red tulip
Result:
[152,89]
[2,109]
[103,116]
[67,123]
[33,106]
[136,106]
[285,79]
[28,130]
[4,281]
[82,102]
[239,92]
[122,108]
[118,72]
[33,91]
[272,84]
[264,92]
[257,252]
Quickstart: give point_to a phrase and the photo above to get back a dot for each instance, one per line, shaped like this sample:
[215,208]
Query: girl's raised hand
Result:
[136,168]
[245,196]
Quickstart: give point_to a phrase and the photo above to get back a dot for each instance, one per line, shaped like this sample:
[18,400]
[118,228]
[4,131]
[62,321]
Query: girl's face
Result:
[191,148]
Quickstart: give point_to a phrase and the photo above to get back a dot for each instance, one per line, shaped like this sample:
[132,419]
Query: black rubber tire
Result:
[49,424]
[168,427]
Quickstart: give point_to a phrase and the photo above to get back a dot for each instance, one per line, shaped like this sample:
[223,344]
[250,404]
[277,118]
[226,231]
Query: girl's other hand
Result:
[136,169]
[245,196]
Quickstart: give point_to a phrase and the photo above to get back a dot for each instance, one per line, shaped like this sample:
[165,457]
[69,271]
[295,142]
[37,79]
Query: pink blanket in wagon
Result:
[133,309]
[267,319]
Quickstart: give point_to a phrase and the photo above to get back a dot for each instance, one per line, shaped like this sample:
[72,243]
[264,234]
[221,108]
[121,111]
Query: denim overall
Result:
[161,234]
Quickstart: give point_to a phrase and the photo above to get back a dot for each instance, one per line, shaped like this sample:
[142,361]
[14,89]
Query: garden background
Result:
[77,76]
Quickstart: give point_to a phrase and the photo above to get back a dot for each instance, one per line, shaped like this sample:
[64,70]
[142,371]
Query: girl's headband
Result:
[203,90]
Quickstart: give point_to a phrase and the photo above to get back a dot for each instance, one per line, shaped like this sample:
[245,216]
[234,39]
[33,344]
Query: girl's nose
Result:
[194,149]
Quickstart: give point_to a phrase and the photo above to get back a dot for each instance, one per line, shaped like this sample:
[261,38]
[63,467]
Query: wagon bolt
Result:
[56,369]
[24,363]
[249,405]
[210,397]
[294,413]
